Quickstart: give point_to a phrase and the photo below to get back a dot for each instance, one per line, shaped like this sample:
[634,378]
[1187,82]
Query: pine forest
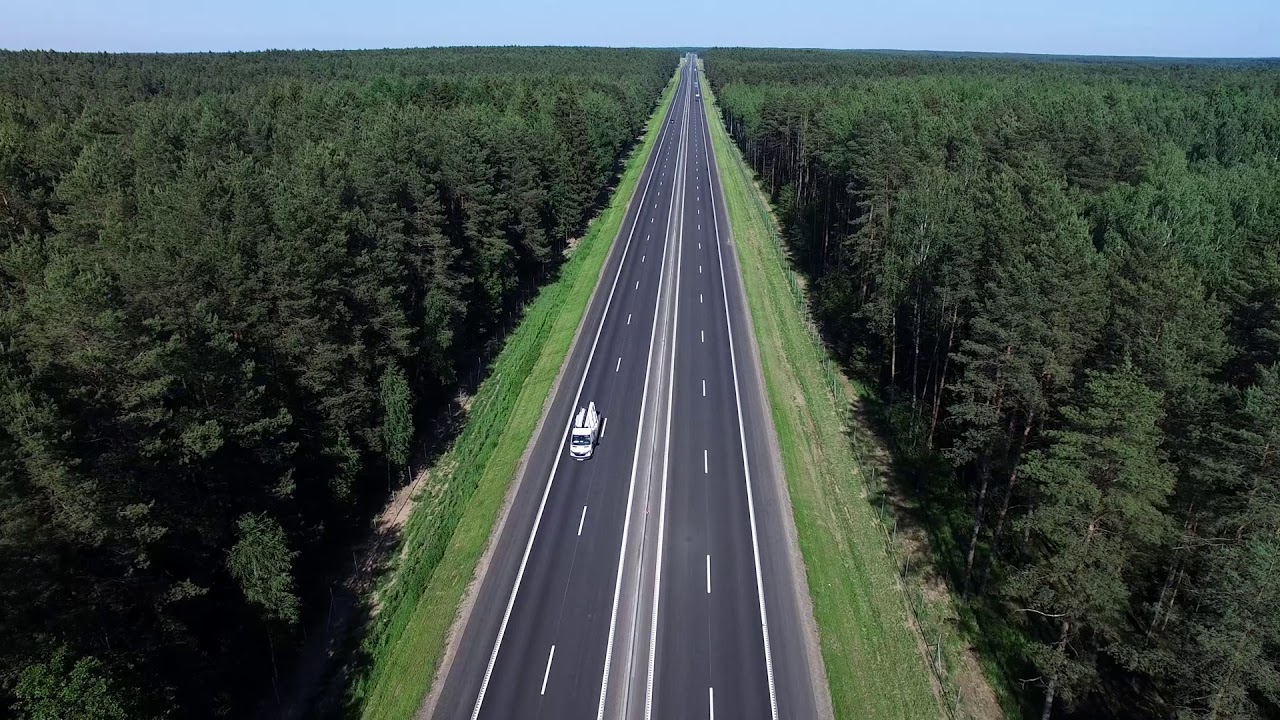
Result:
[236,293]
[1062,278]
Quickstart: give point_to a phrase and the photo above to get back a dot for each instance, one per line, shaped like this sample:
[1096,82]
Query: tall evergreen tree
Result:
[1100,488]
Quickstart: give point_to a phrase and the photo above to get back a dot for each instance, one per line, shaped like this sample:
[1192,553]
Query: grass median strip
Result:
[450,527]
[872,657]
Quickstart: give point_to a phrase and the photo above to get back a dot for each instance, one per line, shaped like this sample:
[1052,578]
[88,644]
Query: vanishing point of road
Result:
[656,579]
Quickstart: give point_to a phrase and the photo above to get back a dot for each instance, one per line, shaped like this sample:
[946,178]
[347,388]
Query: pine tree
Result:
[1099,489]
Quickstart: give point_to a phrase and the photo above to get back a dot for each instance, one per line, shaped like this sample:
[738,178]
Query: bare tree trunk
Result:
[985,473]
[1008,497]
[1164,592]
[915,360]
[1182,573]
[275,671]
[942,379]
[1174,567]
[893,356]
[1052,690]
[1049,692]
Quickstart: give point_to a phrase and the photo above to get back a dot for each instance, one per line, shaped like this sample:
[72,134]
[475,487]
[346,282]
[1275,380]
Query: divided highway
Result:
[653,580]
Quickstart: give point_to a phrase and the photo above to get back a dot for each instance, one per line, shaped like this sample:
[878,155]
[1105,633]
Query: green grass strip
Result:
[874,667]
[450,527]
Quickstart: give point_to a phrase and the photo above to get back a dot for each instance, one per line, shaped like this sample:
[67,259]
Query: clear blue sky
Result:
[1213,28]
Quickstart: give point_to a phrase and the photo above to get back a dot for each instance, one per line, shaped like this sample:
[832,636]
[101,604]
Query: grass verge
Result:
[873,656]
[450,527]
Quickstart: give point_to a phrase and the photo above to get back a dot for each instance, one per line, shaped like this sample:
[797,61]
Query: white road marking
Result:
[642,257]
[547,673]
[708,563]
[704,335]
[637,284]
[603,427]
[662,502]
[704,463]
[582,520]
[618,366]
[711,703]
[628,318]
[635,465]
[704,387]
[699,269]
[546,492]
[746,466]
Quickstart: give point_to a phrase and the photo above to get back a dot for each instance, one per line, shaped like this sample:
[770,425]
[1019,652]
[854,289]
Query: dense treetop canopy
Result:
[229,286]
[1064,275]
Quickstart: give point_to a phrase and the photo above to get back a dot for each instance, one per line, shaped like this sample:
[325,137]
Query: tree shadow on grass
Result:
[917,494]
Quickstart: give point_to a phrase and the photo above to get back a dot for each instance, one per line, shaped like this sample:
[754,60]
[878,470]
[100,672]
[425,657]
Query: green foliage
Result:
[1063,274]
[397,415]
[1099,489]
[349,466]
[261,562]
[59,689]
[229,284]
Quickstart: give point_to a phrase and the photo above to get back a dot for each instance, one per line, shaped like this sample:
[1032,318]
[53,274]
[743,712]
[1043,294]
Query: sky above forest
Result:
[1170,28]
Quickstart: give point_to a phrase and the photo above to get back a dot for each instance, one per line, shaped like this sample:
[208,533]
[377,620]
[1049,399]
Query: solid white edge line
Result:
[666,453]
[626,525]
[582,520]
[537,520]
[547,673]
[742,437]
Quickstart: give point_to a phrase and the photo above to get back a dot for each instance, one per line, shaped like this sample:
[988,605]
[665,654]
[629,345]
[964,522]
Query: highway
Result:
[653,580]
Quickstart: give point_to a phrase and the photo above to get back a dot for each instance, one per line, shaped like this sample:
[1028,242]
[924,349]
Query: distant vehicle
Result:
[585,435]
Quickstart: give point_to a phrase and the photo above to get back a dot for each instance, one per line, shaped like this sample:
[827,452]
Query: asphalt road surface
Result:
[653,580]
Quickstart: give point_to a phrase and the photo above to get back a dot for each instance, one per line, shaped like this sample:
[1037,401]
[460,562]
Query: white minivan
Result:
[585,433]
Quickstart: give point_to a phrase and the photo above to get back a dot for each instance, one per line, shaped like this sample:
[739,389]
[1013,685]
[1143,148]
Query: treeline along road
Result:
[1063,276]
[229,286]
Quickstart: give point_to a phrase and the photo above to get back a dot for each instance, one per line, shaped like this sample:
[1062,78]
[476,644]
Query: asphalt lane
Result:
[710,656]
[664,569]
[550,583]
